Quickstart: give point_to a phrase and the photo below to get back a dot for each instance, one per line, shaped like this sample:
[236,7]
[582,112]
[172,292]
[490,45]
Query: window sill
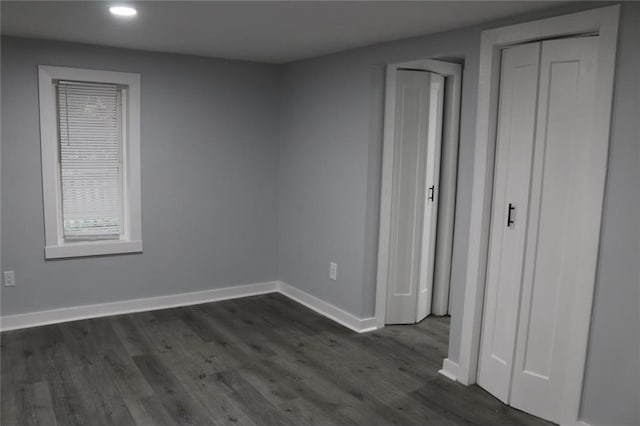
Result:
[92,248]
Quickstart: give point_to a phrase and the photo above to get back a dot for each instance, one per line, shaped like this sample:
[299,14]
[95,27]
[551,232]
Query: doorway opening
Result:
[417,207]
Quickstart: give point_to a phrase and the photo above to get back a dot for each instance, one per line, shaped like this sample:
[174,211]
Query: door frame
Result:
[448,174]
[604,22]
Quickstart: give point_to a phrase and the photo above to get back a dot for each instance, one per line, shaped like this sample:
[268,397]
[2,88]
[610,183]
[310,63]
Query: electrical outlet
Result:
[9,279]
[333,271]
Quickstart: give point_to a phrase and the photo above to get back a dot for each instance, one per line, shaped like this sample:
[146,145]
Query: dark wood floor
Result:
[262,360]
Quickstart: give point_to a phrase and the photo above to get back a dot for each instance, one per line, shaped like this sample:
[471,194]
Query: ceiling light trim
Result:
[123,11]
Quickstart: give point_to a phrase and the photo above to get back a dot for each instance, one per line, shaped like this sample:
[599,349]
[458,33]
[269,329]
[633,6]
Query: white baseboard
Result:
[34,319]
[449,369]
[359,325]
[582,423]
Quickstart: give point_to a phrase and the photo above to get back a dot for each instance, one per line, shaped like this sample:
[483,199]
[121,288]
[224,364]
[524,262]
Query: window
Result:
[89,123]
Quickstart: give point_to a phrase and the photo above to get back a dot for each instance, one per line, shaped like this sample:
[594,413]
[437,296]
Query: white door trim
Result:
[448,174]
[604,22]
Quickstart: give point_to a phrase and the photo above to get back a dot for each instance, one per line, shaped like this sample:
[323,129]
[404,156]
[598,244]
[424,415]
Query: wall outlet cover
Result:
[9,279]
[333,271]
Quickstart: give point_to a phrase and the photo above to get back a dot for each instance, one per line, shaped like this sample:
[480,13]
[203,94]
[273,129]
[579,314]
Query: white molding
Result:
[92,248]
[603,21]
[582,423]
[448,174]
[449,369]
[359,325]
[35,319]
[55,316]
[131,240]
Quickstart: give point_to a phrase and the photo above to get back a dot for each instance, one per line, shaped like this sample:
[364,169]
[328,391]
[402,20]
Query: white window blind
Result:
[90,159]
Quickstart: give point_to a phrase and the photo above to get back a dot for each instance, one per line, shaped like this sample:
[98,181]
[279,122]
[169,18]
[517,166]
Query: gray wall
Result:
[209,178]
[612,381]
[330,159]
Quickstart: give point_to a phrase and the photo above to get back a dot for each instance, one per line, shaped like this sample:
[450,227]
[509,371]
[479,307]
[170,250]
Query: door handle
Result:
[511,215]
[431,192]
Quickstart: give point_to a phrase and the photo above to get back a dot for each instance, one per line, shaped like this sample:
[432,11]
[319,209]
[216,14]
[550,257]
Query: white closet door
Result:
[432,180]
[413,102]
[566,198]
[515,136]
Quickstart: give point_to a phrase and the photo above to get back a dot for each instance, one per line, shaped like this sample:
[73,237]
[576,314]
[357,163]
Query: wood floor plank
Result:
[262,360]
[9,407]
[169,391]
[255,404]
[68,404]
[195,364]
[143,414]
[130,335]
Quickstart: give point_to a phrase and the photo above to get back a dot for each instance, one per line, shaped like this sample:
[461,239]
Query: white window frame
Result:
[130,240]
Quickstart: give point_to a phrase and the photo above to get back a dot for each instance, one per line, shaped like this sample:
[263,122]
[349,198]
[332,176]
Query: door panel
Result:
[515,136]
[412,108]
[563,229]
[430,199]
[413,103]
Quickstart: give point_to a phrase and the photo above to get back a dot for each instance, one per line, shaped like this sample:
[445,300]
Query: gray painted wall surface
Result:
[330,159]
[612,381]
[209,178]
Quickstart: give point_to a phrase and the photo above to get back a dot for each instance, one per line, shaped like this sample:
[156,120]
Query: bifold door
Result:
[514,150]
[416,170]
[544,229]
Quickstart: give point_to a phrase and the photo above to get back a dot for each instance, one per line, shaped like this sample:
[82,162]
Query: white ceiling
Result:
[261,31]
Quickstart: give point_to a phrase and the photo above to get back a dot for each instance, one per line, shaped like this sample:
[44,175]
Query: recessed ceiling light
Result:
[123,11]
